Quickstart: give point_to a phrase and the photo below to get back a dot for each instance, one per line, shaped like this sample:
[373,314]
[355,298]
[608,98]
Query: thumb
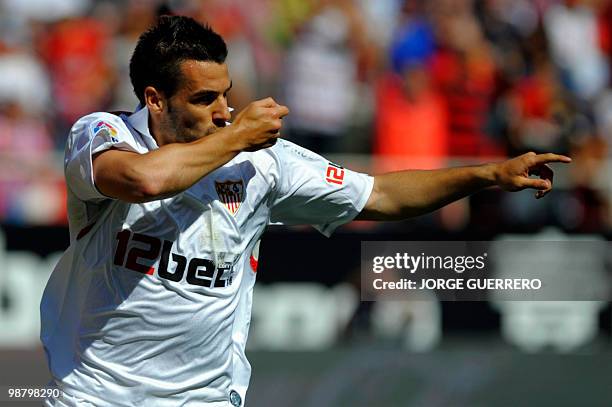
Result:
[535,183]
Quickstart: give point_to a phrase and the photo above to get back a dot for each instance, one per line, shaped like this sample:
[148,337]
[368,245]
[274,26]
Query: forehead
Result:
[200,75]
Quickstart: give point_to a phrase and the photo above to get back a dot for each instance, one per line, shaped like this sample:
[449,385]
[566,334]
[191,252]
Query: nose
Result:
[222,112]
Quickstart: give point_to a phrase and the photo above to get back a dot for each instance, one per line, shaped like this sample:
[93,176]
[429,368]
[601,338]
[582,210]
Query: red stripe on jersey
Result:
[254,263]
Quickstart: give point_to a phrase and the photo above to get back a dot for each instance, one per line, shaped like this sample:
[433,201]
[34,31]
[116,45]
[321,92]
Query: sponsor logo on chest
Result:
[139,252]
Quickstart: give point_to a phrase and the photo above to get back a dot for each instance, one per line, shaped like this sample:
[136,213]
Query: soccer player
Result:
[150,305]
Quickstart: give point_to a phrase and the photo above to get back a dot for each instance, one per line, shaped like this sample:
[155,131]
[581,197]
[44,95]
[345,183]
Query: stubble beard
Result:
[182,134]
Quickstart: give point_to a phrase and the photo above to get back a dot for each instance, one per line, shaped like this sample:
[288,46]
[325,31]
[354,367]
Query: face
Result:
[198,107]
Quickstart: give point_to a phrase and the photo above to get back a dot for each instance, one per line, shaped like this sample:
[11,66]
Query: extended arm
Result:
[404,194]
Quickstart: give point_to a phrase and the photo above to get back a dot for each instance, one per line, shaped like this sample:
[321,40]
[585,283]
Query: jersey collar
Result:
[139,120]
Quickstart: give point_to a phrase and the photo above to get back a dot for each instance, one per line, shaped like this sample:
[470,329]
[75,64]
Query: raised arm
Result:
[403,194]
[172,168]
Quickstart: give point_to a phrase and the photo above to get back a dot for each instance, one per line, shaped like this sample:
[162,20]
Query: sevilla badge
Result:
[231,194]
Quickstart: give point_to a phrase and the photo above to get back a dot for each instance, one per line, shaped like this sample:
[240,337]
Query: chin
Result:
[188,138]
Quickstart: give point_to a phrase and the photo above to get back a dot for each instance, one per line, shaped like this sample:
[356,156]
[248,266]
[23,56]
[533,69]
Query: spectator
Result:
[507,26]
[24,80]
[77,52]
[539,111]
[137,15]
[45,10]
[465,71]
[572,29]
[26,165]
[322,75]
[411,119]
[228,19]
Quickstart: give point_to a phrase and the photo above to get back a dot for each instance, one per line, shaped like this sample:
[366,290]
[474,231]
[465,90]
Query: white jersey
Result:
[151,303]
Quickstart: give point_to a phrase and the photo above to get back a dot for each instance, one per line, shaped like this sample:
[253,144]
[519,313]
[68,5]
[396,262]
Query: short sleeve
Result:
[312,190]
[90,135]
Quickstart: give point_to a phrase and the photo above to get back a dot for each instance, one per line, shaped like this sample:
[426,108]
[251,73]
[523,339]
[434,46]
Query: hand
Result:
[513,175]
[258,125]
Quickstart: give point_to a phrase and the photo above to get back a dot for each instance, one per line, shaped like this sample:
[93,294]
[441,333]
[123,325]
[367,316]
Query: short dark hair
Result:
[161,49]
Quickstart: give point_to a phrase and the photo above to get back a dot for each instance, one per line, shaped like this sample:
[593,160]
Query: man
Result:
[150,305]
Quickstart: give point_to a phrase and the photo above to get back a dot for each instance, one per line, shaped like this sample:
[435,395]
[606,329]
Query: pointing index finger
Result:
[552,158]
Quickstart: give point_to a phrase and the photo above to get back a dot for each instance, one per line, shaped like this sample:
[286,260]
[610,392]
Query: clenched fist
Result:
[514,174]
[258,125]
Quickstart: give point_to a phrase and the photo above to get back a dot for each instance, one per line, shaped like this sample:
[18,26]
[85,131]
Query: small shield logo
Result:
[231,194]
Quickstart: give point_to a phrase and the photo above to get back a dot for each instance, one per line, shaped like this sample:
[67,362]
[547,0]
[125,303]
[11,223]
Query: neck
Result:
[157,132]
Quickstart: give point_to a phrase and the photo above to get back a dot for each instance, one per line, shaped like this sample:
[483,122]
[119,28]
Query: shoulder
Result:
[286,150]
[101,118]
[283,154]
[93,124]
[98,121]
[284,157]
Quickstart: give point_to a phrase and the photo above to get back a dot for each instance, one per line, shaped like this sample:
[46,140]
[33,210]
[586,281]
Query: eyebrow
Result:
[205,92]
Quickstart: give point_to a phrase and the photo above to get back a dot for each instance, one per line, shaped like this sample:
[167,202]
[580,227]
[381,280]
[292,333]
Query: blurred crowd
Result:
[408,83]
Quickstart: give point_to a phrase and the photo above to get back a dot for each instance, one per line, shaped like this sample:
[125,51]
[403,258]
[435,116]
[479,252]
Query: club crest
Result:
[231,194]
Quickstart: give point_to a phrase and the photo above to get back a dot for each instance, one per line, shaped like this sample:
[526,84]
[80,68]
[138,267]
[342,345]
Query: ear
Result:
[154,100]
